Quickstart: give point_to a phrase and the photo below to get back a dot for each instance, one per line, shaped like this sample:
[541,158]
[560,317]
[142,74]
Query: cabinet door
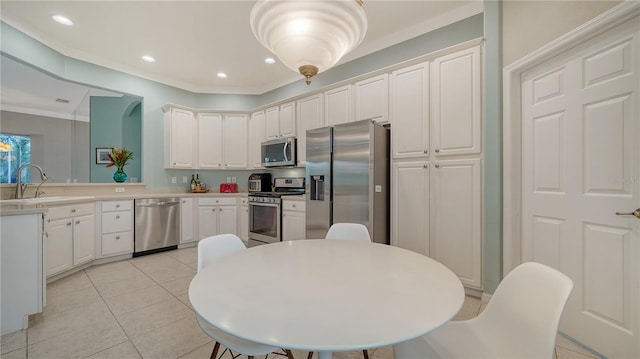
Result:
[84,239]
[338,105]
[293,225]
[59,247]
[181,139]
[210,141]
[228,219]
[456,103]
[288,119]
[186,220]
[244,223]
[456,229]
[235,141]
[309,117]
[207,221]
[372,99]
[272,126]
[410,226]
[410,111]
[258,135]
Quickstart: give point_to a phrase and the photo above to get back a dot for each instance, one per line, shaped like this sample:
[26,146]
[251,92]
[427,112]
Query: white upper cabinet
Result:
[410,111]
[258,135]
[179,130]
[372,99]
[338,105]
[456,103]
[235,130]
[281,120]
[310,116]
[210,141]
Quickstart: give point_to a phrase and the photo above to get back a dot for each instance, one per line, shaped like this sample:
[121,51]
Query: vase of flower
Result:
[119,176]
[119,158]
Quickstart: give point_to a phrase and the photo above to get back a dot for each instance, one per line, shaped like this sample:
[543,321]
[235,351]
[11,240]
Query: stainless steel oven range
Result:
[265,210]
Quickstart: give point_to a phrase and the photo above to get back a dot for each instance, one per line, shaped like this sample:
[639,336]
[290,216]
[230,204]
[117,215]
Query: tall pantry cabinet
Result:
[437,161]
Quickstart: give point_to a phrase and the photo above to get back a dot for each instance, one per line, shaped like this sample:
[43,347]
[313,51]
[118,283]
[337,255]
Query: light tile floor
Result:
[139,308]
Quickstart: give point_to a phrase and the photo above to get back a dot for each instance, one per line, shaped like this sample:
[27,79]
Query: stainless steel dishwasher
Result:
[157,225]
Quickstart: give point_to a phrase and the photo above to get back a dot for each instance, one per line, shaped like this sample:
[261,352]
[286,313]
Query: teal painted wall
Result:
[492,115]
[115,122]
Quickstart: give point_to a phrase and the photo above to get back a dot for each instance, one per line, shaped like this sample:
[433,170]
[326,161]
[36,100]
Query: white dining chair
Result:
[209,250]
[520,321]
[350,231]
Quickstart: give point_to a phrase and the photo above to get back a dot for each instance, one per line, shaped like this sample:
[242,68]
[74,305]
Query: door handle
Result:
[634,213]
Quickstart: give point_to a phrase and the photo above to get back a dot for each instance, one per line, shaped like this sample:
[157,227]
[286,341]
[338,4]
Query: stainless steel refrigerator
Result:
[347,178]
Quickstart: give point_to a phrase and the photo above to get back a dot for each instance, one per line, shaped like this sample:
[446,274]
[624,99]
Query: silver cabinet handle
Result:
[73,210]
[117,237]
[117,217]
[220,209]
[293,205]
[117,206]
[77,222]
[437,150]
[48,220]
[437,166]
[635,213]
[426,165]
[68,224]
[426,151]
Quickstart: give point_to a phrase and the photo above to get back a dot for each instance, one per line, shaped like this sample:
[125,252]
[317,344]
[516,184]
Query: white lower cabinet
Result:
[116,228]
[456,219]
[244,219]
[217,216]
[293,220]
[437,211]
[69,237]
[186,220]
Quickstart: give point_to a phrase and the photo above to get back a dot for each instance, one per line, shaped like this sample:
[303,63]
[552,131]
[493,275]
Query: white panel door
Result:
[84,239]
[210,140]
[456,103]
[581,165]
[338,105]
[59,246]
[456,218]
[410,111]
[207,221]
[310,116]
[186,220]
[258,135]
[410,223]
[235,141]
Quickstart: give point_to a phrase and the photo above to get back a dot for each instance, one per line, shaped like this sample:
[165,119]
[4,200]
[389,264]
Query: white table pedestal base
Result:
[325,355]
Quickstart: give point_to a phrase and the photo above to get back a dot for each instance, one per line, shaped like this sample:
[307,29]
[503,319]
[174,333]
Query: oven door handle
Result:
[262,204]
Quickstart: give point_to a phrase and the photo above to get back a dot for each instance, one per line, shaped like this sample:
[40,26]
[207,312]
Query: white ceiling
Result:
[193,40]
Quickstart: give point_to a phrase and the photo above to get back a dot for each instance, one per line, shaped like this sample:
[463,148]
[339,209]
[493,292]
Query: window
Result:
[15,151]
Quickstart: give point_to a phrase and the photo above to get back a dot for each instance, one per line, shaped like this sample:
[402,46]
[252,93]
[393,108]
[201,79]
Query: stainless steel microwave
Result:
[280,152]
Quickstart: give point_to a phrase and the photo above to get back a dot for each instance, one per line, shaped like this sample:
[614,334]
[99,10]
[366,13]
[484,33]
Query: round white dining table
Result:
[326,295]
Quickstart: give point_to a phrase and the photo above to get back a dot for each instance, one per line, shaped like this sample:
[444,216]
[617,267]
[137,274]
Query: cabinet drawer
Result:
[117,222]
[117,243]
[244,201]
[110,206]
[217,201]
[74,210]
[293,206]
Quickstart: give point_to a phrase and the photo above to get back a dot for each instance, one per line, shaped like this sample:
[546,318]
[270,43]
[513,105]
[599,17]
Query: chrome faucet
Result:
[20,188]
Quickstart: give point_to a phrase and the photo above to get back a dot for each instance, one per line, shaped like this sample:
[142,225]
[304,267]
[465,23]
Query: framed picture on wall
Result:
[102,156]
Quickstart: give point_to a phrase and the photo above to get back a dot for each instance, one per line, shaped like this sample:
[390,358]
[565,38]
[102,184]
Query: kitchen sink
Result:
[45,199]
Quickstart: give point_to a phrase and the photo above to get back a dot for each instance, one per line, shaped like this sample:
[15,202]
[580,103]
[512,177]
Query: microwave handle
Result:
[284,151]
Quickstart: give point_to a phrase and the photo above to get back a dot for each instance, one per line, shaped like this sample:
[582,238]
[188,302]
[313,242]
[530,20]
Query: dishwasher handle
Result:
[155,203]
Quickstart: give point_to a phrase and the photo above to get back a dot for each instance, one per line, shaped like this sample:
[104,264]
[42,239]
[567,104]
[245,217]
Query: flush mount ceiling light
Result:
[62,20]
[148,58]
[221,75]
[309,36]
[270,60]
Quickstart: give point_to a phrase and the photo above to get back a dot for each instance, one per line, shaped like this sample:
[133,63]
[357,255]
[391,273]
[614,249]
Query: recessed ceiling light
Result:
[270,60]
[221,75]
[148,58]
[62,20]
